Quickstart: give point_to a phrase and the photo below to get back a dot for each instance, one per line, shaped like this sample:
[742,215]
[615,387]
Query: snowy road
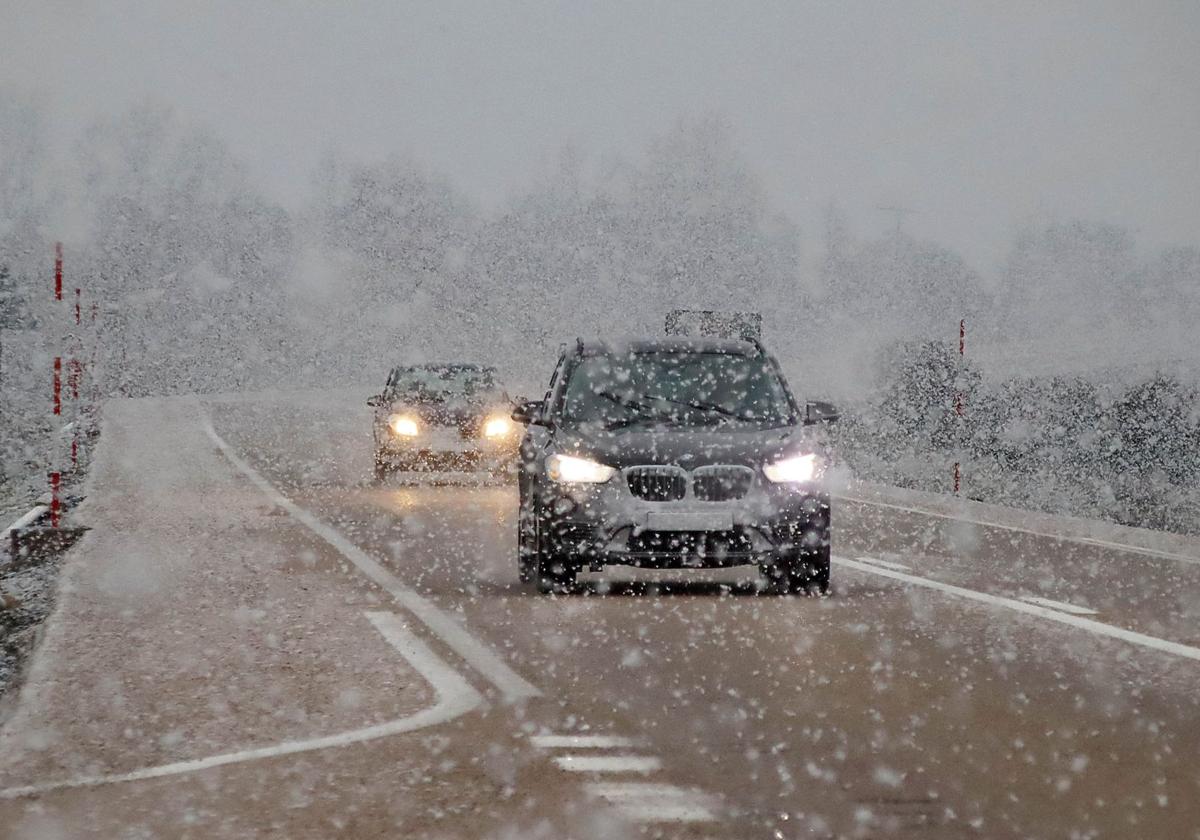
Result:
[921,700]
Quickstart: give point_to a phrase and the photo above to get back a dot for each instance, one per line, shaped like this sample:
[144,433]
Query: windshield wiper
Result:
[644,411]
[712,407]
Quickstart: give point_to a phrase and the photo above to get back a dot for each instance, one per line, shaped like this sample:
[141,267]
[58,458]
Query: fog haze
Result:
[980,118]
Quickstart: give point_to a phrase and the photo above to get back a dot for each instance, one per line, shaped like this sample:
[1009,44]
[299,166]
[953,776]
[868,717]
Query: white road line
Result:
[580,742]
[649,802]
[887,564]
[1099,628]
[1059,605]
[608,763]
[455,697]
[447,681]
[512,685]
[1151,552]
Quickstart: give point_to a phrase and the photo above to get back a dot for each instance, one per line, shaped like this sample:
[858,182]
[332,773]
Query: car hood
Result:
[687,447]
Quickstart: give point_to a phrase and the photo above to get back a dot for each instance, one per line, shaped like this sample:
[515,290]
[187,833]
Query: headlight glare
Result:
[403,426]
[497,427]
[568,469]
[792,470]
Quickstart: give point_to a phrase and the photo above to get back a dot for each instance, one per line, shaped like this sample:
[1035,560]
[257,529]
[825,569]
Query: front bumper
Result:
[444,447]
[603,525]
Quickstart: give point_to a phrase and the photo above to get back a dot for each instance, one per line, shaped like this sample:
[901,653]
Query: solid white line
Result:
[1151,552]
[455,697]
[580,742]
[448,682]
[885,563]
[1059,605]
[512,685]
[1099,628]
[650,802]
[608,763]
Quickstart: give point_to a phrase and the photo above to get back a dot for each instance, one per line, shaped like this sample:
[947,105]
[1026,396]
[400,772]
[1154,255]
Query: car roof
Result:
[728,346]
[447,366]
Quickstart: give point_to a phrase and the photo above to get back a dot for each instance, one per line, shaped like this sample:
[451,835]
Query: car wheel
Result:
[555,574]
[810,572]
[382,468]
[807,573]
[526,542]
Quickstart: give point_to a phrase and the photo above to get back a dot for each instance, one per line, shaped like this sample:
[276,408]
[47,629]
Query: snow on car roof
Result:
[670,345]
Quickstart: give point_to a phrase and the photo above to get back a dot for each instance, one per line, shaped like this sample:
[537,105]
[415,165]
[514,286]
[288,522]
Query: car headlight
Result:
[497,427]
[403,426]
[792,470]
[571,470]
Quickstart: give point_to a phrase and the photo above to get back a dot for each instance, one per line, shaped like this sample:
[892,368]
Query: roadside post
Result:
[958,403]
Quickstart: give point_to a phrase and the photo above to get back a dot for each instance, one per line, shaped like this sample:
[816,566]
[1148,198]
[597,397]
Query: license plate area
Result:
[679,520]
[446,440]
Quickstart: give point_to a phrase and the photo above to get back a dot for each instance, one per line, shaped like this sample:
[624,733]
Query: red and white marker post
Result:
[58,270]
[55,498]
[958,402]
[56,387]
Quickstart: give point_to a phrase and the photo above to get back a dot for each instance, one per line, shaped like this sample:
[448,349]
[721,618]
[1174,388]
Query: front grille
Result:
[721,483]
[657,484]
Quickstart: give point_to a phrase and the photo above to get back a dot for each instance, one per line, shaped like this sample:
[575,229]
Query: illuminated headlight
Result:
[497,427]
[568,469]
[402,426]
[792,470]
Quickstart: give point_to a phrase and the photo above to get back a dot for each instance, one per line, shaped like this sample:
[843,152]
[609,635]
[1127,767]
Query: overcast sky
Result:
[978,116]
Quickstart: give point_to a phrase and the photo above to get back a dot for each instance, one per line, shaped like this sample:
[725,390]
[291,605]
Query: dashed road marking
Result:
[512,685]
[652,802]
[580,742]
[637,801]
[455,697]
[1059,605]
[887,564]
[1096,627]
[608,763]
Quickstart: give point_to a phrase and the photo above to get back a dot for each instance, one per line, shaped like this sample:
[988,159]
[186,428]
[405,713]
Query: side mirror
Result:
[820,412]
[375,401]
[528,412]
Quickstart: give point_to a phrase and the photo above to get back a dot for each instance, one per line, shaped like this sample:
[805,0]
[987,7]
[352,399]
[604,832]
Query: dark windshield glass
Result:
[435,382]
[689,388]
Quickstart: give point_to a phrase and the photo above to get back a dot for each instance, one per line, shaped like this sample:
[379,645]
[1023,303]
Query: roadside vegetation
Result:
[1112,446]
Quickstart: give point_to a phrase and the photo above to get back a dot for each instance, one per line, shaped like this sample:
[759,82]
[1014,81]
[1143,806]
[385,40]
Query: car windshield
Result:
[443,381]
[680,388]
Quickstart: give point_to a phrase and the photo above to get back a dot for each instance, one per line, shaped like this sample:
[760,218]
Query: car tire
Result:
[553,573]
[805,574]
[526,542]
[809,574]
[556,574]
[382,467]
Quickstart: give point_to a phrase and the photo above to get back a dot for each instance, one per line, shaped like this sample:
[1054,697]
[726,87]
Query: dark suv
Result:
[674,453]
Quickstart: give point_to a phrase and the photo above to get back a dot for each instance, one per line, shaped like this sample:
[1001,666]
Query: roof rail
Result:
[762,351]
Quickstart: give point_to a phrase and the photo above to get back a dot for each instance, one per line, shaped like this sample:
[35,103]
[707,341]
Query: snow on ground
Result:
[199,589]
